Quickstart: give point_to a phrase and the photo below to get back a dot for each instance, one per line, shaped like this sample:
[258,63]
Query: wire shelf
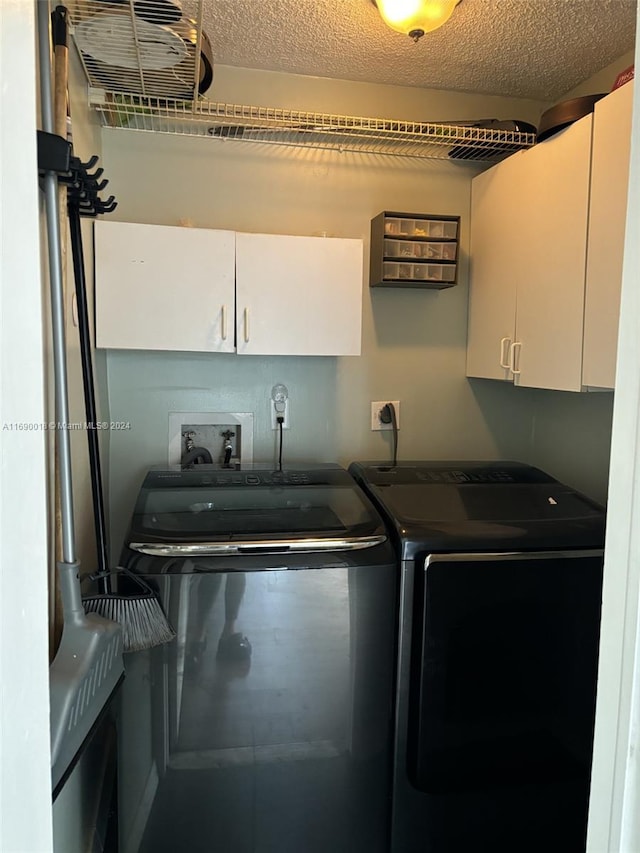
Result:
[139,57]
[274,126]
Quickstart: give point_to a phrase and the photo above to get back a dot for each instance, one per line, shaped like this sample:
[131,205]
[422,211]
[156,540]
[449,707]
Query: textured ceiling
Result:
[537,49]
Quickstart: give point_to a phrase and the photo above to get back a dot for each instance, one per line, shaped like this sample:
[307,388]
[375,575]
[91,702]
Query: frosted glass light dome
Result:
[415,17]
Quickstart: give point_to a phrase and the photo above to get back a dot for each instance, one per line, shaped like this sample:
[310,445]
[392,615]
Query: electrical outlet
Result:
[376,408]
[279,405]
[283,404]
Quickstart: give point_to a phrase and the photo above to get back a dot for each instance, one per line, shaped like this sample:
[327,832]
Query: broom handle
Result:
[67,530]
[89,395]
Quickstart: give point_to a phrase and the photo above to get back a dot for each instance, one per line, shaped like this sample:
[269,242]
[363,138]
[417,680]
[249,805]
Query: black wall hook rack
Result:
[83,186]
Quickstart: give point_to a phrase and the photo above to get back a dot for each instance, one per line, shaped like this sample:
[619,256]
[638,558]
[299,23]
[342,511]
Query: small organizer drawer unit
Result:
[431,229]
[414,250]
[437,273]
[421,251]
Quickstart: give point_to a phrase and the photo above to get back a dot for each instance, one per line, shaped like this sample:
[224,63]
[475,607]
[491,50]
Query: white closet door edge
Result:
[615,787]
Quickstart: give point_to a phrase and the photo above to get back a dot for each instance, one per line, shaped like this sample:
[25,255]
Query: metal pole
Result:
[57,300]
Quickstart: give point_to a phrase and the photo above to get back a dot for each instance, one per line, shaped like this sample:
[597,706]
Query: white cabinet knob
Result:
[512,358]
[224,323]
[246,325]
[505,347]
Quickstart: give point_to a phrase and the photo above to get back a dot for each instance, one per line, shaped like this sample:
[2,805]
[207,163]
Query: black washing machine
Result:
[498,648]
[266,726]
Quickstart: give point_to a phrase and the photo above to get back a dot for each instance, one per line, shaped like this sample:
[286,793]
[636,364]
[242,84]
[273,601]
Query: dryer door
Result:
[504,669]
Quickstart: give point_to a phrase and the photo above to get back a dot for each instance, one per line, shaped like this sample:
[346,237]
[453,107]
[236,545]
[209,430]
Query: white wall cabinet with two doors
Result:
[162,287]
[547,237]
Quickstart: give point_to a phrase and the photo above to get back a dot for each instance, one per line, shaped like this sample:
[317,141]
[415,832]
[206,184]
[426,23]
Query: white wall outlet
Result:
[376,408]
[279,406]
[277,409]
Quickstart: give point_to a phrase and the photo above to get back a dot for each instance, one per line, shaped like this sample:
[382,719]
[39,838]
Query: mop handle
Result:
[57,300]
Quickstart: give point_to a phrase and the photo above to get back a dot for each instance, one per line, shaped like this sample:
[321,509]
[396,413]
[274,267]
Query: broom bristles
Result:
[144,624]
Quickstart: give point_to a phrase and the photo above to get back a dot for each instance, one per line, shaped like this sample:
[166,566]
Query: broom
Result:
[140,614]
[144,623]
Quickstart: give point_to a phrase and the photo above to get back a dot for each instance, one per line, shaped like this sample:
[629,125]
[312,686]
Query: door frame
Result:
[614,815]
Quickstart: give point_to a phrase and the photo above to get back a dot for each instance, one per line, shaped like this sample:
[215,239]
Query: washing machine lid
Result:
[209,511]
[483,505]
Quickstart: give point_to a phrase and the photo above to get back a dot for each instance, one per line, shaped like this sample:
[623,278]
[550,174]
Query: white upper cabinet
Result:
[497,222]
[550,282]
[529,226]
[547,238]
[300,293]
[194,289]
[609,184]
[164,287]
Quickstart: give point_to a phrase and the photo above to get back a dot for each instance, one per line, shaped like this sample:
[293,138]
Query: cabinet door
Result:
[552,252]
[607,220]
[298,295]
[497,201]
[163,287]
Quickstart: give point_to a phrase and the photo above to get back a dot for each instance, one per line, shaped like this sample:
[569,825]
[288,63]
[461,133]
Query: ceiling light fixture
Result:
[415,17]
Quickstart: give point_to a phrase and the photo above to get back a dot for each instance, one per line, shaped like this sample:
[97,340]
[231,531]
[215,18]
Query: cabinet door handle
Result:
[512,358]
[504,362]
[246,325]
[224,322]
